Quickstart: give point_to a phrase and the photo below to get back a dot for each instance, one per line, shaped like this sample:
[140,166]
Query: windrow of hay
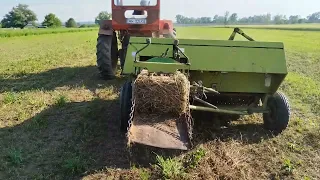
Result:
[167,94]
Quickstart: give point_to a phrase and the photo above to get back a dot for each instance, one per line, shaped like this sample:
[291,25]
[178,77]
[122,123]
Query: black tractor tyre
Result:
[107,54]
[114,53]
[278,118]
[123,50]
[125,105]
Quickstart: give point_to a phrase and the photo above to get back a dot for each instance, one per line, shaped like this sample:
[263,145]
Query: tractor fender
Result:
[106,28]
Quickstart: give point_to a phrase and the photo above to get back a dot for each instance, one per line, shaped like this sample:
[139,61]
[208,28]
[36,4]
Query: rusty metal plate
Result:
[161,132]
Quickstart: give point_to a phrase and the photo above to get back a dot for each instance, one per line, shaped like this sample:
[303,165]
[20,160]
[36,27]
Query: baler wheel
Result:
[125,105]
[278,118]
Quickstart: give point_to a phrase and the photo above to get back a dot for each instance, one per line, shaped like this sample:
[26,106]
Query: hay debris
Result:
[161,93]
[224,160]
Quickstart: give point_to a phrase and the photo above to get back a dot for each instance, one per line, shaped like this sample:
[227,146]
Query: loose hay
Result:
[224,160]
[161,93]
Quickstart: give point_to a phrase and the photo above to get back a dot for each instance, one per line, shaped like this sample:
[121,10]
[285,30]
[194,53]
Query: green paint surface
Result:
[241,65]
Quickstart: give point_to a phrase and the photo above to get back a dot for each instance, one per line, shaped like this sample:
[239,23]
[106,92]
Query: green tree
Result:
[204,20]
[226,18]
[71,23]
[19,17]
[294,19]
[314,18]
[233,18]
[268,18]
[179,19]
[104,15]
[218,19]
[279,19]
[302,20]
[51,20]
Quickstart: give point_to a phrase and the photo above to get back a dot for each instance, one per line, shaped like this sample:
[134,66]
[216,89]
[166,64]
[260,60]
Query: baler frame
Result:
[248,101]
[226,76]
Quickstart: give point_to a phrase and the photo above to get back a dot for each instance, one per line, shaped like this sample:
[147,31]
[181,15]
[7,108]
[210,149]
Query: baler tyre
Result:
[278,118]
[125,105]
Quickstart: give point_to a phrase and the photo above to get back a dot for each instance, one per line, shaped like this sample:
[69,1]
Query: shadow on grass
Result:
[65,141]
[87,77]
[76,139]
[212,126]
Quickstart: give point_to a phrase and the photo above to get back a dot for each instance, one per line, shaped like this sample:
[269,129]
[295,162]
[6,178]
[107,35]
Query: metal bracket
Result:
[239,31]
[176,51]
[148,41]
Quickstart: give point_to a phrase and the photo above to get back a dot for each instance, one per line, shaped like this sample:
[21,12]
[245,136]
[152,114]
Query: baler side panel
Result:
[236,59]
[237,82]
[239,66]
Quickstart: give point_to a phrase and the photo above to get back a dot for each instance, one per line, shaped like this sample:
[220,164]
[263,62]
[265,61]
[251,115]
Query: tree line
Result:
[21,15]
[256,19]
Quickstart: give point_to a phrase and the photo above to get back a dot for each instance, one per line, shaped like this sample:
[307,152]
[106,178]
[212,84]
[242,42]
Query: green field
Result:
[29,32]
[293,27]
[297,27]
[59,121]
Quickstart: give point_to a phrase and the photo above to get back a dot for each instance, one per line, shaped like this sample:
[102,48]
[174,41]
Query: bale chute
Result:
[161,115]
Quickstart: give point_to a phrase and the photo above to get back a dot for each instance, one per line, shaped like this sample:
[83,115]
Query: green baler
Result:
[226,77]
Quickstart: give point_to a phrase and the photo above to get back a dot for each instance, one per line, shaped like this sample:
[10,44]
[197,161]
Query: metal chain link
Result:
[189,118]
[131,117]
[130,120]
[189,121]
[132,111]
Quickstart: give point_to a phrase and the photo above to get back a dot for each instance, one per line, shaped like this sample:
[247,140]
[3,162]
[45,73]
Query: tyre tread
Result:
[283,113]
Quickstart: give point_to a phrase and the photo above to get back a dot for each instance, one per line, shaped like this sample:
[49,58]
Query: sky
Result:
[87,10]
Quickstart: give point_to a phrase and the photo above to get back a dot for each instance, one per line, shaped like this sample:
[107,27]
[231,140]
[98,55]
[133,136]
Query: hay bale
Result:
[161,93]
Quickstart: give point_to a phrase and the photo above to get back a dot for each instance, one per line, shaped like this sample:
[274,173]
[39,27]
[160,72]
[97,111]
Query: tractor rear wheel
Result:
[125,105]
[107,54]
[278,118]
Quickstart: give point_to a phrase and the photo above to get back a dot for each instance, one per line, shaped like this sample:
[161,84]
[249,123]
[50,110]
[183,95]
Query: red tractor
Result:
[140,18]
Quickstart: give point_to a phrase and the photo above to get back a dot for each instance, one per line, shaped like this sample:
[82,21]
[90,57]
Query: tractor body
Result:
[226,77]
[129,19]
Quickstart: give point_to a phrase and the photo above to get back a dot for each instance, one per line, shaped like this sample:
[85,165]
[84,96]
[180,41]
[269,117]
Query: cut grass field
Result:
[30,32]
[59,121]
[296,27]
[293,27]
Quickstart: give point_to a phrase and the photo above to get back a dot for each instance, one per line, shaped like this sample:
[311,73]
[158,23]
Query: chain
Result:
[189,121]
[131,112]
[189,118]
[130,120]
